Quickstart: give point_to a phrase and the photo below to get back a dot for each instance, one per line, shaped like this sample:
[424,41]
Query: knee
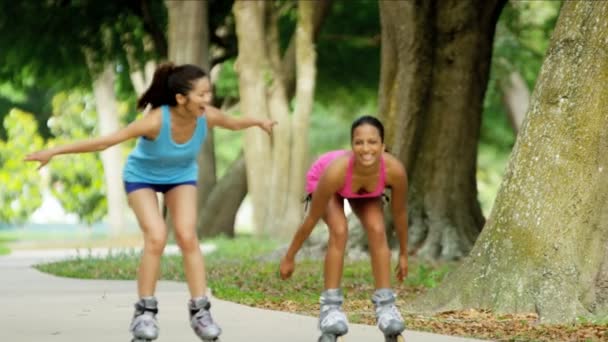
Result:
[338,235]
[187,241]
[376,233]
[155,243]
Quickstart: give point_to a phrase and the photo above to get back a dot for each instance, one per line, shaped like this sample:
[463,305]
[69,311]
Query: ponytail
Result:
[158,92]
[168,81]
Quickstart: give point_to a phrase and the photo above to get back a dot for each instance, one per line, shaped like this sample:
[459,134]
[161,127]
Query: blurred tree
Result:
[219,205]
[77,180]
[20,187]
[522,37]
[543,248]
[434,72]
[70,44]
[275,165]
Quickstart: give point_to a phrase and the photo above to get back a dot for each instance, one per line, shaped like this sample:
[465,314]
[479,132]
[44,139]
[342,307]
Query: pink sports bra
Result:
[347,191]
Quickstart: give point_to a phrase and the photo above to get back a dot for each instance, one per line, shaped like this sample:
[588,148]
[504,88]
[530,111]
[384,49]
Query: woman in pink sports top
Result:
[359,175]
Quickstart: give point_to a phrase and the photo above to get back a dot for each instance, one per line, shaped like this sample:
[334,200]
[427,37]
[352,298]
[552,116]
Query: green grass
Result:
[236,271]
[4,241]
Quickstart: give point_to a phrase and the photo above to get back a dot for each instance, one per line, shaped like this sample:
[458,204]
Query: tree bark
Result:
[434,72]
[189,43]
[111,158]
[275,165]
[321,10]
[219,215]
[544,247]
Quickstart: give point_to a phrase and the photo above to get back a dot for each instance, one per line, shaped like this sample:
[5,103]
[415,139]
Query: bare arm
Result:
[398,182]
[140,127]
[331,181]
[216,117]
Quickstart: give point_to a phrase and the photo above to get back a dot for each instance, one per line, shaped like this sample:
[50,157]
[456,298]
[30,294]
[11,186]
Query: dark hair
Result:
[367,120]
[168,81]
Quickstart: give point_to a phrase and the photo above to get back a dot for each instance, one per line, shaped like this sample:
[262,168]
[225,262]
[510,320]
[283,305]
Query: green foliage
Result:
[19,181]
[52,46]
[77,179]
[227,84]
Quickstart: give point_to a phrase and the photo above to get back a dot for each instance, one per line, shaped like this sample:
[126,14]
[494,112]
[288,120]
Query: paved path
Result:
[39,307]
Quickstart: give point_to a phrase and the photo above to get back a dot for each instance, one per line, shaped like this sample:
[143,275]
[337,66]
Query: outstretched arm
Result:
[398,182]
[328,185]
[216,117]
[141,127]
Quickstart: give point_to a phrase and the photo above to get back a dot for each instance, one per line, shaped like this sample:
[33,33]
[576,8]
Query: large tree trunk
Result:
[275,165]
[111,158]
[544,248]
[435,66]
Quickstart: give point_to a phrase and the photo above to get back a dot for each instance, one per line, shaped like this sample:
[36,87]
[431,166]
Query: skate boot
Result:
[388,317]
[144,326]
[201,321]
[332,321]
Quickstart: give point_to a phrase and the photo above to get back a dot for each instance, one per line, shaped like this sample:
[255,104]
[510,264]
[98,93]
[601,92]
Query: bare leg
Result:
[144,203]
[181,202]
[332,320]
[145,206]
[369,212]
[338,234]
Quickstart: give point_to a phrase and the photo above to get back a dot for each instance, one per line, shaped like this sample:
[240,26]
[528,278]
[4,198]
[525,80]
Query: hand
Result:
[287,267]
[401,268]
[266,125]
[43,157]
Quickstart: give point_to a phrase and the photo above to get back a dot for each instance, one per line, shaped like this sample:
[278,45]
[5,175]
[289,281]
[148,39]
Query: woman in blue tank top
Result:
[169,138]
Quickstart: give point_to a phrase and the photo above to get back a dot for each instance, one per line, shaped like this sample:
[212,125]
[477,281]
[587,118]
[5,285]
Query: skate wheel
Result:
[397,338]
[330,338]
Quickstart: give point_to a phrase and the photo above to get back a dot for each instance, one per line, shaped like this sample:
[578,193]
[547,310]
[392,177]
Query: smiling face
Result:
[198,97]
[367,144]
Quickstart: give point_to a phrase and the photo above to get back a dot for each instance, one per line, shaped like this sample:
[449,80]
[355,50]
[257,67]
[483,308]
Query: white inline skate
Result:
[144,326]
[332,321]
[201,321]
[388,317]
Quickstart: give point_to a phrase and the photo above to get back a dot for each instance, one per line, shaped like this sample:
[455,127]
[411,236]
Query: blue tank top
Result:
[162,160]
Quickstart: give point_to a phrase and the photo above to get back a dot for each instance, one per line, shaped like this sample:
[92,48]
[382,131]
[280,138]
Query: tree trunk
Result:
[544,246]
[141,79]
[219,215]
[275,165]
[321,10]
[111,158]
[189,43]
[435,66]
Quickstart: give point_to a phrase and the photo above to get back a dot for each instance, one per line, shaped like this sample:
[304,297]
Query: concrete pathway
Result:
[39,307]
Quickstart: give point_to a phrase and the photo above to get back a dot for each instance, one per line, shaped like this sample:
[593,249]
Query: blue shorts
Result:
[132,186]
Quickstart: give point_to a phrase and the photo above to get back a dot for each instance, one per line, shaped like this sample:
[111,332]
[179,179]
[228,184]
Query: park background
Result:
[454,82]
